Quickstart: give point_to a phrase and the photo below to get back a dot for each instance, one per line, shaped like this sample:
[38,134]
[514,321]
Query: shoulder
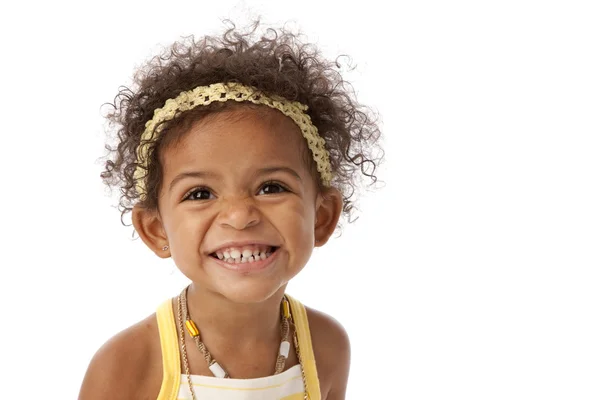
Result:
[331,346]
[128,366]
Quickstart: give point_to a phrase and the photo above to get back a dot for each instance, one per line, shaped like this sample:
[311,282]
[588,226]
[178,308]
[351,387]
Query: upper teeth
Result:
[243,255]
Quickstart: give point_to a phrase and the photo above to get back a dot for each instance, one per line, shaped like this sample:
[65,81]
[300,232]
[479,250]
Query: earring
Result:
[165,248]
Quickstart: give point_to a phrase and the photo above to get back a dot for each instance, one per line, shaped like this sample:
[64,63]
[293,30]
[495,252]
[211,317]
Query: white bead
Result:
[284,349]
[217,370]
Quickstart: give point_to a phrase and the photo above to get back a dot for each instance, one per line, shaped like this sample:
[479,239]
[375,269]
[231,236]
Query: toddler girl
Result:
[236,156]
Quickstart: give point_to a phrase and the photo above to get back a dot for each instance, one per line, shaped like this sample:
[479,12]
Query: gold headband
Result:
[204,95]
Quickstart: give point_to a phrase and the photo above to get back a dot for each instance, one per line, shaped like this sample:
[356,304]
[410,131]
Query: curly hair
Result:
[277,63]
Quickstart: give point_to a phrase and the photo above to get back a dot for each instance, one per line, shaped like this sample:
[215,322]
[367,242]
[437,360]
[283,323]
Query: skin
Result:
[235,199]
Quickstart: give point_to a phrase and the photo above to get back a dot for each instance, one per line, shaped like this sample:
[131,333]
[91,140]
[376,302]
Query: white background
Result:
[473,274]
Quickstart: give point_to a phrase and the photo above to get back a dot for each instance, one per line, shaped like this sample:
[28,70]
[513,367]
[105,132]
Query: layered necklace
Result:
[213,365]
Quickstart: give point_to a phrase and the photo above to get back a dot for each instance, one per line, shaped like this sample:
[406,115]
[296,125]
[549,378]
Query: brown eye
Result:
[199,194]
[272,188]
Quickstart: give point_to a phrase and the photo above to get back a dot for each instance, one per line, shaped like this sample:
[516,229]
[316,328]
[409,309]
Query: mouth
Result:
[246,254]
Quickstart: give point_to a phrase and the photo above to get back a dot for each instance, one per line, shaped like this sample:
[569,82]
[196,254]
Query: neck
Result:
[239,324]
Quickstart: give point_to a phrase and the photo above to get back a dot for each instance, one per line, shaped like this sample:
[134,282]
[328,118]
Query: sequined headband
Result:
[204,95]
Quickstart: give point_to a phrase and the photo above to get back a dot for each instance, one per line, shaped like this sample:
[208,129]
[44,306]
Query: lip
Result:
[248,267]
[241,244]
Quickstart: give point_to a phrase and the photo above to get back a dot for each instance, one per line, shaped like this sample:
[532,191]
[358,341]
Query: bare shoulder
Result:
[332,353]
[128,366]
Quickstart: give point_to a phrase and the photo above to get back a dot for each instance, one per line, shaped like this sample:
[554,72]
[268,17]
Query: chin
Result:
[250,292]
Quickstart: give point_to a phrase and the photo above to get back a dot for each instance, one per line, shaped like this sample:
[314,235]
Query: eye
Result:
[199,194]
[272,188]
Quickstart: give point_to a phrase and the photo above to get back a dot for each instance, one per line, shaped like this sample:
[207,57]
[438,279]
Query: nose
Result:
[239,213]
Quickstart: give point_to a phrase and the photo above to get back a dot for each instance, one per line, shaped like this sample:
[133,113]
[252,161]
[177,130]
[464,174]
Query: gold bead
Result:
[286,308]
[191,327]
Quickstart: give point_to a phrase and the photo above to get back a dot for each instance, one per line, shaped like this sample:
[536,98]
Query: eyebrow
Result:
[193,174]
[206,174]
[270,170]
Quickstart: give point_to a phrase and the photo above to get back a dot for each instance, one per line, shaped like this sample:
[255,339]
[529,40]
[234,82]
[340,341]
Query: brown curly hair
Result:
[276,63]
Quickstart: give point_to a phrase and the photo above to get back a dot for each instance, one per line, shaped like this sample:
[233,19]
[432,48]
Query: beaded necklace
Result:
[213,365]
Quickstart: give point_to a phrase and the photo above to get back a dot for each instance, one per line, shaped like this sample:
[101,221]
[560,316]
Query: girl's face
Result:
[238,182]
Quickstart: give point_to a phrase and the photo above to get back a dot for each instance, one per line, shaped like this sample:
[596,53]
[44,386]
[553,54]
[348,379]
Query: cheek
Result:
[297,220]
[188,232]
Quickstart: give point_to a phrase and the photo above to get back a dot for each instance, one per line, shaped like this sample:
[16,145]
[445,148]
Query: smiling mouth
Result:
[245,255]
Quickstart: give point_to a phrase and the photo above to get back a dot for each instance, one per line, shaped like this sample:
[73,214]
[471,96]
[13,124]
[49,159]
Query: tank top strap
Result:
[309,364]
[169,345]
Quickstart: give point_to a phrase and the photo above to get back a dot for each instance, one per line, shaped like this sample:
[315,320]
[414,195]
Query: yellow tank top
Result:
[285,386]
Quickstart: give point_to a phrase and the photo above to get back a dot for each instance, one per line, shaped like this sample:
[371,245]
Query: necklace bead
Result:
[217,370]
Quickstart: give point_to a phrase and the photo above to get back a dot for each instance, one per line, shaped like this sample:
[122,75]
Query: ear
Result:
[148,225]
[329,208]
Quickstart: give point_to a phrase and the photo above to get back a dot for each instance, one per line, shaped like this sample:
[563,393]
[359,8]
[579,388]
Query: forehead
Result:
[236,142]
